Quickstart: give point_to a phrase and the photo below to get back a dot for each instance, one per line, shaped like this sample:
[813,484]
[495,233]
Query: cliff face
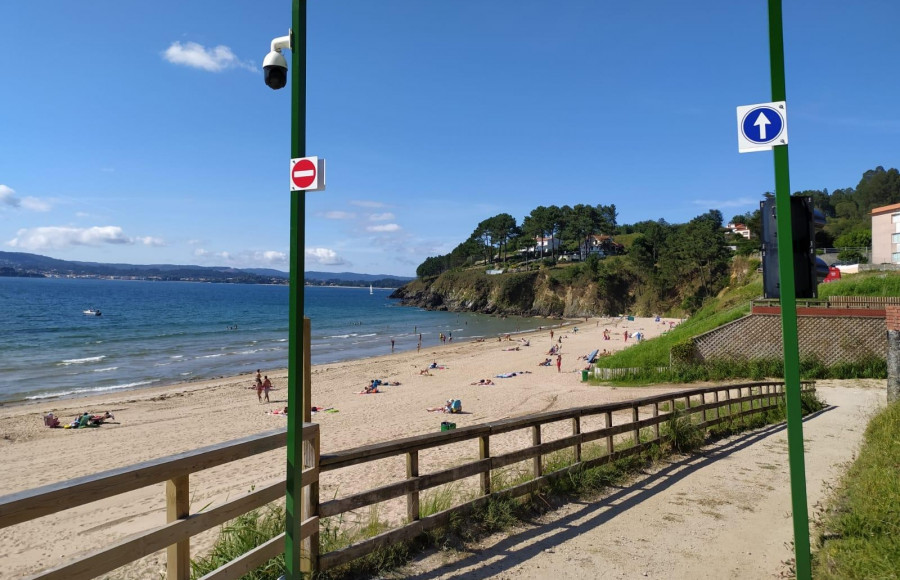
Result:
[523,294]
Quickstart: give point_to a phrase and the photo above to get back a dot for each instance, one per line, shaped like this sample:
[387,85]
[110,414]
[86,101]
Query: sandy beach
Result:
[157,422]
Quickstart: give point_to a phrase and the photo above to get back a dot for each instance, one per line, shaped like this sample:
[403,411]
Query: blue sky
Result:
[142,132]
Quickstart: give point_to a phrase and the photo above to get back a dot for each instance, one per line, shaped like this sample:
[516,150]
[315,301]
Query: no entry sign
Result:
[307,174]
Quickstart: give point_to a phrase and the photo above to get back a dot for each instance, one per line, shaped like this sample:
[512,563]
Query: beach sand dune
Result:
[157,422]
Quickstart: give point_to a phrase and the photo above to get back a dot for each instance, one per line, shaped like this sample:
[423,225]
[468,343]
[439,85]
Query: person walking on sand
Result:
[559,363]
[551,334]
[267,385]
[259,389]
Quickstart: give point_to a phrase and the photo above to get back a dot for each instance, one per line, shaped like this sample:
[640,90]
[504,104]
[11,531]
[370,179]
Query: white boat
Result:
[370,289]
[91,312]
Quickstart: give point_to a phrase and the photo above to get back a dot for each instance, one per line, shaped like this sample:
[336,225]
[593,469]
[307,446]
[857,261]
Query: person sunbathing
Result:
[547,362]
[483,382]
[51,420]
[372,388]
[99,419]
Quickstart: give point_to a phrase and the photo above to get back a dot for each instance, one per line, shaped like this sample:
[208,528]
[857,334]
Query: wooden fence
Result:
[877,302]
[175,536]
[639,431]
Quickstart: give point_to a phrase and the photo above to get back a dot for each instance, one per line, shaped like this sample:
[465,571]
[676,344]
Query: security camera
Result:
[275,66]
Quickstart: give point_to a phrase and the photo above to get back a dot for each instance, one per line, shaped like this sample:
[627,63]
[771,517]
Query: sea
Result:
[153,334]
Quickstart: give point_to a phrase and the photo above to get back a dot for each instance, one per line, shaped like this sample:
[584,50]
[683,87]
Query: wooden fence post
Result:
[703,403]
[656,414]
[576,429]
[536,440]
[412,498]
[484,452]
[309,547]
[637,432]
[716,401]
[609,438]
[178,555]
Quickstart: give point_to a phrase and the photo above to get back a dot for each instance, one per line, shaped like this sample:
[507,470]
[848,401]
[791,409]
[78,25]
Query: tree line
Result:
[494,238]
[847,212]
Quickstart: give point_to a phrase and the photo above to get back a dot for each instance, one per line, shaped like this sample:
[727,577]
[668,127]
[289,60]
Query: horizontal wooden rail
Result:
[50,499]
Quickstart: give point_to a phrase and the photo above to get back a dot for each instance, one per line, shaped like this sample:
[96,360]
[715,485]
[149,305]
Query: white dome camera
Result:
[275,66]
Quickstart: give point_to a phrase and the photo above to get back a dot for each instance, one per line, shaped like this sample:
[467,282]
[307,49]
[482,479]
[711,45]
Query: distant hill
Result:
[354,277]
[20,264]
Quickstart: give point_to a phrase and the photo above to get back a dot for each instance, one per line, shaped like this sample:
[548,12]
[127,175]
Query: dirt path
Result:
[725,513]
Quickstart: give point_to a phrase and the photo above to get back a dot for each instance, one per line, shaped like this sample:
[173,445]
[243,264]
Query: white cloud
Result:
[35,204]
[324,257]
[272,257]
[338,215]
[108,169]
[53,237]
[243,258]
[9,198]
[384,228]
[381,217]
[214,59]
[367,203]
[151,241]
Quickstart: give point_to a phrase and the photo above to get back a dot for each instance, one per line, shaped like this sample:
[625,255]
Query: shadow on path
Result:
[518,547]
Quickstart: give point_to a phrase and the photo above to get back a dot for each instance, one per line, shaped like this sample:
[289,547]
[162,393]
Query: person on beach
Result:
[392,346]
[51,420]
[259,388]
[267,386]
[626,336]
[551,334]
[559,363]
[258,376]
[419,346]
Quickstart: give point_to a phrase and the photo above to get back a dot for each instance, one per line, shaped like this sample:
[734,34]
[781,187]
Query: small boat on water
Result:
[370,290]
[91,312]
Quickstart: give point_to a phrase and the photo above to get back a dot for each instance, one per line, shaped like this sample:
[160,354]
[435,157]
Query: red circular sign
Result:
[303,173]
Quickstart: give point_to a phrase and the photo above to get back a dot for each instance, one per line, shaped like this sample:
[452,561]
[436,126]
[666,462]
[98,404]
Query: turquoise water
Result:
[159,333]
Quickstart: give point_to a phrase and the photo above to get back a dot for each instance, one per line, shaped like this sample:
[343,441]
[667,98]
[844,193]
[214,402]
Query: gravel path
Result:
[724,513]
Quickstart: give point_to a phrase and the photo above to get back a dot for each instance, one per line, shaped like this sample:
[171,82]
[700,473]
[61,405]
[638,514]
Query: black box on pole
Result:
[803,244]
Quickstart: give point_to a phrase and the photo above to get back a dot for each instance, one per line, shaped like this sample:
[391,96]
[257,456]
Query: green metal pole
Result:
[789,309]
[294,495]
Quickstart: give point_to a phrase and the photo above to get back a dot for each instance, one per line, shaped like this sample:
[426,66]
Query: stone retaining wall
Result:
[832,339]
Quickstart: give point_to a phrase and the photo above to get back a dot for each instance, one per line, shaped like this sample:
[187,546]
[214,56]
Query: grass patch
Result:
[863,284]
[811,368]
[241,535]
[861,536]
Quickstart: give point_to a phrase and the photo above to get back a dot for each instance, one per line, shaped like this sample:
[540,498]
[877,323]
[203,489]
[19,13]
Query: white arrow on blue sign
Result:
[762,126]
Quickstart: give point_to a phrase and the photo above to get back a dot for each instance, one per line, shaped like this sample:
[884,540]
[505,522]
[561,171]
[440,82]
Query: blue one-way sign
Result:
[761,126]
